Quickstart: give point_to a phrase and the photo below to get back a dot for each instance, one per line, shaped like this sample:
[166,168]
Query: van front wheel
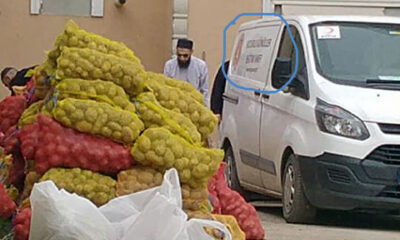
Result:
[296,207]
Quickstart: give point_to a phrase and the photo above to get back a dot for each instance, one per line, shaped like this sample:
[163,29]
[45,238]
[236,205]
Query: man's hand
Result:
[20,90]
[219,117]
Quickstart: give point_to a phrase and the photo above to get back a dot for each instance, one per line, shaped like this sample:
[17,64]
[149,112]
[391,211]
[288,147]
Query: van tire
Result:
[295,206]
[230,173]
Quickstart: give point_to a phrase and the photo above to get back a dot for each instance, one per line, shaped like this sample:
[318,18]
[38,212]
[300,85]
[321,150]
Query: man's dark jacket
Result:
[20,79]
[218,90]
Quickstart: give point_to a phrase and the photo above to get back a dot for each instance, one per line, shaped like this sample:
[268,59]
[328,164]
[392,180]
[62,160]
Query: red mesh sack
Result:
[22,224]
[212,189]
[10,140]
[7,205]
[11,109]
[30,95]
[232,203]
[31,83]
[29,136]
[16,176]
[64,147]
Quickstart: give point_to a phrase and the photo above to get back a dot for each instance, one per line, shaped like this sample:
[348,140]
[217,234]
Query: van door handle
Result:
[257,93]
[266,96]
[230,98]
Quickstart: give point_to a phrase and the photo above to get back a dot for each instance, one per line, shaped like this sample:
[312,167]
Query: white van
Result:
[332,138]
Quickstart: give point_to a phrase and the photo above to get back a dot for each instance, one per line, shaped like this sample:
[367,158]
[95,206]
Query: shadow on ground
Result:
[356,220]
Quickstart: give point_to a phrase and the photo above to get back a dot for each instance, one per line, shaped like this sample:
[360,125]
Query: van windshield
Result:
[358,53]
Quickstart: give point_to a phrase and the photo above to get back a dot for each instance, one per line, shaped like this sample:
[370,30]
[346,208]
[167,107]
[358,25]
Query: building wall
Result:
[303,10]
[361,3]
[145,26]
[206,22]
[337,7]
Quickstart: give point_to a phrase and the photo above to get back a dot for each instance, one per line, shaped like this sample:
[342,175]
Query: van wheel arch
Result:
[285,157]
[231,169]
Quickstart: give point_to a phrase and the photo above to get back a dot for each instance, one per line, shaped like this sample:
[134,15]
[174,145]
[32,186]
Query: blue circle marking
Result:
[233,22]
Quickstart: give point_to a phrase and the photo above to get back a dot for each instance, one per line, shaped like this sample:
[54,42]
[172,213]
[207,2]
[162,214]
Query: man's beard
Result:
[184,64]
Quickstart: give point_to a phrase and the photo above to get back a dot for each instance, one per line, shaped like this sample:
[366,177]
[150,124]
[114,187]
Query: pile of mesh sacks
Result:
[100,126]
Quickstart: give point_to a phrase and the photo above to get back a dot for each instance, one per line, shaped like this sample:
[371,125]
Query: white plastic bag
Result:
[60,215]
[153,214]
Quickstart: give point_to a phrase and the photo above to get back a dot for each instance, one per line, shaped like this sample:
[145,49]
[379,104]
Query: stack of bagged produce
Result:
[103,127]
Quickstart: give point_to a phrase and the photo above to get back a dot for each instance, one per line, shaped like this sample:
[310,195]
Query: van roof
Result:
[310,19]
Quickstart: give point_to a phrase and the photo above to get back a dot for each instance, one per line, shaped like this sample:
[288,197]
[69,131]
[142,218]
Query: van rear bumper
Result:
[337,182]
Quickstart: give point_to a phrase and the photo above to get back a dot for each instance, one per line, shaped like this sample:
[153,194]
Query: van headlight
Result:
[335,120]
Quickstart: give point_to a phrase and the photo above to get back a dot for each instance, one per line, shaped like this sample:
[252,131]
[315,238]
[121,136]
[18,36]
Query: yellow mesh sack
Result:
[137,179]
[98,118]
[41,80]
[90,64]
[26,203]
[176,100]
[232,225]
[31,178]
[154,115]
[140,178]
[5,166]
[160,149]
[96,187]
[198,214]
[73,36]
[98,90]
[13,192]
[47,108]
[195,199]
[30,114]
[48,103]
[184,86]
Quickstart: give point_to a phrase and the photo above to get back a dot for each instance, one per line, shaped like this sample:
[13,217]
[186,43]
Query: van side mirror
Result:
[282,71]
[297,88]
[295,83]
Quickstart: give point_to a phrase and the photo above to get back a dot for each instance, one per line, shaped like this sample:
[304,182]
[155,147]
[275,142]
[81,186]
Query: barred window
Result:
[93,8]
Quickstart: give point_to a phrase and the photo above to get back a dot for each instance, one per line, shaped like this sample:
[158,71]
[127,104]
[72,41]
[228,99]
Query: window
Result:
[287,50]
[362,54]
[93,8]
[253,50]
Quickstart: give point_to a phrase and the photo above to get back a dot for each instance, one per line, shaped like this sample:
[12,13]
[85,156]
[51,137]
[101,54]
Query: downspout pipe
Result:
[268,6]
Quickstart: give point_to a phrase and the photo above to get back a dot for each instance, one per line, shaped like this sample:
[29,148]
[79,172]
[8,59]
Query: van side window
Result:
[287,50]
[252,52]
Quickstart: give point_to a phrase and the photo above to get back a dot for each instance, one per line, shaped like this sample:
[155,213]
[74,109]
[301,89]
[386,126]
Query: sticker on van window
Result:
[238,51]
[328,32]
